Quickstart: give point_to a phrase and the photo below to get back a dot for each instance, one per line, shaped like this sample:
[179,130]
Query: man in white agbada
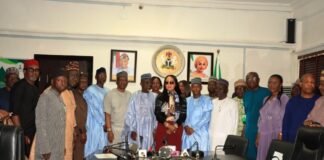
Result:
[224,120]
[140,121]
[196,126]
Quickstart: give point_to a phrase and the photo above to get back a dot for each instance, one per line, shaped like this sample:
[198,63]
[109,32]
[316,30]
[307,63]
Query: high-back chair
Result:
[11,143]
[309,144]
[235,145]
[285,148]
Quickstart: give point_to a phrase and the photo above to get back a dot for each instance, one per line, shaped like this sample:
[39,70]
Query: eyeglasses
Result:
[36,70]
[171,82]
[251,79]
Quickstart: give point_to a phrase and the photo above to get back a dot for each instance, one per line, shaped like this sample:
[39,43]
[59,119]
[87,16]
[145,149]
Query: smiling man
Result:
[196,126]
[23,100]
[224,120]
[253,101]
[94,96]
[115,106]
[51,120]
[298,107]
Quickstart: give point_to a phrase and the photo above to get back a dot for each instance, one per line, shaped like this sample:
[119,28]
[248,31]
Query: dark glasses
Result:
[171,82]
[32,70]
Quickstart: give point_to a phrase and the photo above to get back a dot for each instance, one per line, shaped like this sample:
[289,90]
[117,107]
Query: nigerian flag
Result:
[217,70]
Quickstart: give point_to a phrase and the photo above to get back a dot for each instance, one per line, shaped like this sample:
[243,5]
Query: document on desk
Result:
[105,156]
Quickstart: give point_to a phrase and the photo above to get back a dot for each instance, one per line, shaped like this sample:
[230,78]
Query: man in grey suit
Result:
[50,120]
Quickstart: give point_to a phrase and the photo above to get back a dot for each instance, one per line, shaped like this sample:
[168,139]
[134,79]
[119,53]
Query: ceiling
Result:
[266,5]
[259,1]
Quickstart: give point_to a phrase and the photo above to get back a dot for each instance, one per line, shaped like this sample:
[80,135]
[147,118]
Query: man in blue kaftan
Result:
[196,126]
[140,121]
[94,95]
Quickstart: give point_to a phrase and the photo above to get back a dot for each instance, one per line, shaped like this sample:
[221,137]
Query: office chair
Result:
[309,144]
[283,147]
[11,143]
[235,145]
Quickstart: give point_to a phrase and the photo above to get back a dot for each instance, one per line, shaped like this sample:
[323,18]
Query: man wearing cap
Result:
[224,119]
[317,114]
[253,101]
[240,87]
[23,100]
[211,87]
[140,120]
[196,126]
[94,96]
[80,117]
[72,70]
[12,76]
[115,106]
[50,120]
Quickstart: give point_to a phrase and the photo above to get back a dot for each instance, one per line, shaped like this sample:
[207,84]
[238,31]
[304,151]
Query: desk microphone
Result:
[126,141]
[128,154]
[196,154]
[141,142]
[151,151]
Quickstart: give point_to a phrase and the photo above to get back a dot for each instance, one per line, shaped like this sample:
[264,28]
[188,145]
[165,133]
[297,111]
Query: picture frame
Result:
[200,64]
[168,60]
[51,63]
[6,63]
[123,60]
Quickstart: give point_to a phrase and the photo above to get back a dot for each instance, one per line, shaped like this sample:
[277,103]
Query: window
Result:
[312,63]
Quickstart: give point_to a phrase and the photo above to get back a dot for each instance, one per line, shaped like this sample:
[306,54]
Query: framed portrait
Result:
[123,60]
[6,63]
[168,60]
[200,64]
[51,63]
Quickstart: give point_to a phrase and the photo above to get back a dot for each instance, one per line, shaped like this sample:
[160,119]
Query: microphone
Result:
[189,149]
[197,154]
[141,142]
[127,146]
[151,151]
[185,153]
[126,141]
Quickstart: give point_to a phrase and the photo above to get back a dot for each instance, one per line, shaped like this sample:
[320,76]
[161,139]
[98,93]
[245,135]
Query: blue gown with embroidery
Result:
[96,137]
[198,118]
[140,118]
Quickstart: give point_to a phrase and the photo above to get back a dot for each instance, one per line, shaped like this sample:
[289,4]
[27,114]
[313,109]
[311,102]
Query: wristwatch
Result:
[106,129]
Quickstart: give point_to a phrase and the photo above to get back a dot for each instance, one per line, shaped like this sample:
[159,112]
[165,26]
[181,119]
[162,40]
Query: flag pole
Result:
[216,63]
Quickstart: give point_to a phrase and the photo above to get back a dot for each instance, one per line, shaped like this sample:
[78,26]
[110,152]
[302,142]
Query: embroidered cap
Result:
[146,76]
[196,80]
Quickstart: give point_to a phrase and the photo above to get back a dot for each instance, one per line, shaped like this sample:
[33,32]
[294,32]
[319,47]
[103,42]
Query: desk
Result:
[210,156]
[228,157]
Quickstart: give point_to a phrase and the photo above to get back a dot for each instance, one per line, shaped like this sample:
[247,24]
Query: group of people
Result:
[71,120]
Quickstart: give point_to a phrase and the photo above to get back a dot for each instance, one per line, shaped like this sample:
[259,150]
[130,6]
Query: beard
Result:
[34,79]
